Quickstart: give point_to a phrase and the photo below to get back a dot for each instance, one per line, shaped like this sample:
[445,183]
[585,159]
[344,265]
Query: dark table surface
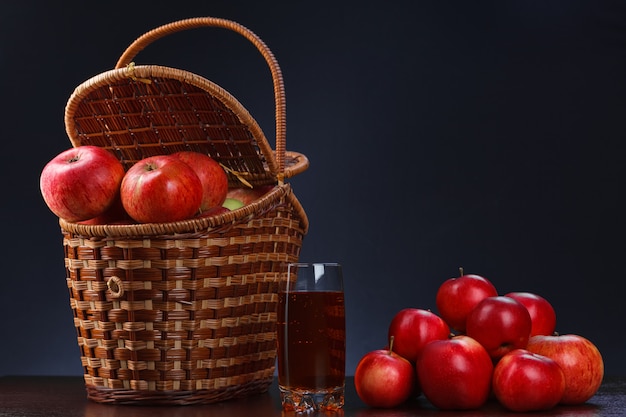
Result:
[47,396]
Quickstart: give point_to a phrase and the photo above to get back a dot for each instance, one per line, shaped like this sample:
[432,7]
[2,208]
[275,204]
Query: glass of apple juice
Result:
[311,332]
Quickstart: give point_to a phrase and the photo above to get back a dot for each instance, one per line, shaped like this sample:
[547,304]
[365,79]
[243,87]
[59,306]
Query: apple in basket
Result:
[161,189]
[232,203]
[212,176]
[81,183]
[247,195]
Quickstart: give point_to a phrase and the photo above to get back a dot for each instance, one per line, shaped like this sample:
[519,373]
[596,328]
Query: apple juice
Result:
[311,339]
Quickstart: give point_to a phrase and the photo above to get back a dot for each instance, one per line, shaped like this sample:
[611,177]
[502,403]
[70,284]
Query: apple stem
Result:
[461,270]
[391,345]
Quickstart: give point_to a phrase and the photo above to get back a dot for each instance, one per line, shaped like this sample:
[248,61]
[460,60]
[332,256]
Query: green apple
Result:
[232,203]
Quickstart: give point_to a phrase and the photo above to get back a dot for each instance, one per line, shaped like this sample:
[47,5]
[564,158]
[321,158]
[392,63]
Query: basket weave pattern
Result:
[180,117]
[192,313]
[182,312]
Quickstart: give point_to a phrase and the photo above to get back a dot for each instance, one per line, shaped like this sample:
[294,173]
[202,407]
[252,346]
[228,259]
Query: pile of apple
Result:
[88,184]
[479,347]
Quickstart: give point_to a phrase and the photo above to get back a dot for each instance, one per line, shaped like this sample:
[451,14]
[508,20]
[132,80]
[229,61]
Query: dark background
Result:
[485,134]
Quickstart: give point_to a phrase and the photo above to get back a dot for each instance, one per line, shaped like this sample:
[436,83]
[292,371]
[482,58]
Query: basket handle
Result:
[279,90]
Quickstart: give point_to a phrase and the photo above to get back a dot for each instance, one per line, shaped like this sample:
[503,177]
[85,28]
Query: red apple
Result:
[455,374]
[81,183]
[161,189]
[212,176]
[500,324]
[456,297]
[384,379]
[413,328]
[525,381]
[580,361]
[541,312]
[247,195]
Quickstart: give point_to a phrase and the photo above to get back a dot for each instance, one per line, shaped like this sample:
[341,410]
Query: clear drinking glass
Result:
[312,338]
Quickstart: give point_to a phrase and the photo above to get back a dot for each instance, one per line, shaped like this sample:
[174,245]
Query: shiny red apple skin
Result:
[384,379]
[500,324]
[541,311]
[525,381]
[161,189]
[81,182]
[413,328]
[212,176]
[456,297]
[580,360]
[455,374]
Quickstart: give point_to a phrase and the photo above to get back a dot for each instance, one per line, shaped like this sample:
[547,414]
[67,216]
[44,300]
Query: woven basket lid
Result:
[138,111]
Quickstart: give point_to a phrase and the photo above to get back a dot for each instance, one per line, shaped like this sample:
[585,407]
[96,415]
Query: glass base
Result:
[302,400]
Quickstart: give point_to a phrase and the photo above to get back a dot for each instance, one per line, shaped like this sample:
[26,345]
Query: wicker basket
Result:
[183,312]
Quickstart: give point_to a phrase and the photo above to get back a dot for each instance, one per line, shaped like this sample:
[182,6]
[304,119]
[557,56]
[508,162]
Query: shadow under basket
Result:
[183,312]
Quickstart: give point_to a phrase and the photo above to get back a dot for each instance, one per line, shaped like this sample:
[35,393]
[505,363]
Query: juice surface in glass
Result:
[312,339]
